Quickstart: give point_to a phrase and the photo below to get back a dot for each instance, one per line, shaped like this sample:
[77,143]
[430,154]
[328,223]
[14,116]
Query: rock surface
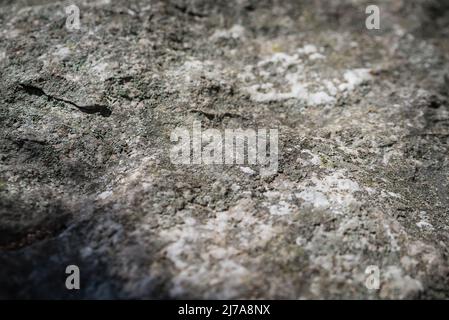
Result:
[86,177]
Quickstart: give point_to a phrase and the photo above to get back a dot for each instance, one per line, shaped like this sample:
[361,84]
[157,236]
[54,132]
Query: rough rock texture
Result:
[86,178]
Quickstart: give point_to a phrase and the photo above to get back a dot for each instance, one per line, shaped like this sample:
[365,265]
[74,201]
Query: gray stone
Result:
[86,178]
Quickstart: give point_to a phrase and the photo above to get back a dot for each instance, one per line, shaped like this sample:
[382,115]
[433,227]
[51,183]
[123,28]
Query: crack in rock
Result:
[90,109]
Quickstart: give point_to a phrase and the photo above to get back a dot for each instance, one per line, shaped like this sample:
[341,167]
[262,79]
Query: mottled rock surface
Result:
[86,177]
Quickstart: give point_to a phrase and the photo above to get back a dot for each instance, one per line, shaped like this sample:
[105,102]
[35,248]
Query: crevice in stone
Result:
[90,109]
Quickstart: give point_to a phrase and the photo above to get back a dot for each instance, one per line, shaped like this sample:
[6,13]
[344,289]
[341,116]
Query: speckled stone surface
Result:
[86,177]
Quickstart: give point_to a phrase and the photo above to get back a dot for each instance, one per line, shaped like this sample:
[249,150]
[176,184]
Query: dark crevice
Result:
[90,109]
[219,117]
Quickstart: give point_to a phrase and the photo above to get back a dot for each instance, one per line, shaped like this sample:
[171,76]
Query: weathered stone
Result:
[86,177]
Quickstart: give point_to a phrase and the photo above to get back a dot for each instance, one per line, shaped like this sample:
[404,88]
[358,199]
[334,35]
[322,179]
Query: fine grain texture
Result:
[85,171]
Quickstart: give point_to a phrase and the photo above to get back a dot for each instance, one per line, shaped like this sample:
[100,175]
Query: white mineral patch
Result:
[333,191]
[100,2]
[424,225]
[312,159]
[408,263]
[101,70]
[394,195]
[104,195]
[395,280]
[236,32]
[290,74]
[308,49]
[62,53]
[191,72]
[300,241]
[315,198]
[247,170]
[213,234]
[391,235]
[280,209]
[281,60]
[355,78]
[272,194]
[297,91]
[330,87]
[86,252]
[316,56]
[319,98]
